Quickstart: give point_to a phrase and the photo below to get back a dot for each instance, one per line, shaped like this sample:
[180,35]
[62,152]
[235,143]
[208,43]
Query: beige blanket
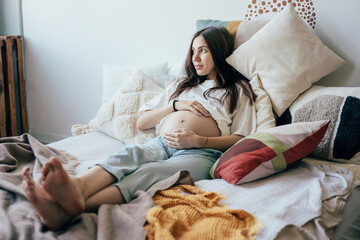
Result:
[19,220]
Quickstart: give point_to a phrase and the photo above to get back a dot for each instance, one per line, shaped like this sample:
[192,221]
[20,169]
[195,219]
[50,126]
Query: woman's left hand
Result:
[182,138]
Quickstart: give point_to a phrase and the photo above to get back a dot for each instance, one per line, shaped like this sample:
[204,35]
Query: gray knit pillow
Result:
[342,138]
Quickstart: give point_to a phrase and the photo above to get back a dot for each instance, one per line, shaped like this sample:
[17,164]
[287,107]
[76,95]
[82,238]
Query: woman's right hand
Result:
[192,106]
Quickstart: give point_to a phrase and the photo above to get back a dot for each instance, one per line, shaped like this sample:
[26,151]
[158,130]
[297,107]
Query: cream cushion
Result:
[117,117]
[286,56]
[247,29]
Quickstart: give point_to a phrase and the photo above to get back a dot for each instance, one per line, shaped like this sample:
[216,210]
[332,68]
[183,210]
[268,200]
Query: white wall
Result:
[337,26]
[68,41]
[10,19]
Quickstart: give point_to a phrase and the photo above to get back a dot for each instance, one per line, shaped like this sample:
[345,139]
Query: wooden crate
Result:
[3,113]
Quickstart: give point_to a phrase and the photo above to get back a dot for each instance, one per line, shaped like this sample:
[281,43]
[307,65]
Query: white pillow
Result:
[113,76]
[165,80]
[177,69]
[117,117]
[287,57]
[264,114]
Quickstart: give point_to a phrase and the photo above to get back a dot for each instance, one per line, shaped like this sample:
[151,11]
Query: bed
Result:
[278,222]
[297,191]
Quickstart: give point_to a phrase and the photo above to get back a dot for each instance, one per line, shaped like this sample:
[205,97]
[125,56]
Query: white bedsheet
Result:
[89,148]
[292,197]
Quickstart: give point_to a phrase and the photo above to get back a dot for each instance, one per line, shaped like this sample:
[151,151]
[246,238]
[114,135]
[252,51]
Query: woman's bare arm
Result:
[184,138]
[150,118]
[222,143]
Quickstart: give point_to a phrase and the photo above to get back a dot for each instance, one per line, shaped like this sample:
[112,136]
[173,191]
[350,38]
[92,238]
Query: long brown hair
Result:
[220,44]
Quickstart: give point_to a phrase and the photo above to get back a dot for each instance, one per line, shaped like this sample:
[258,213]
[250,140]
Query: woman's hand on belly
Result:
[183,138]
[201,126]
[192,106]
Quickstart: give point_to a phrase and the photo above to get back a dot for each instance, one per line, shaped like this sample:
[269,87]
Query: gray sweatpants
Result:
[139,166]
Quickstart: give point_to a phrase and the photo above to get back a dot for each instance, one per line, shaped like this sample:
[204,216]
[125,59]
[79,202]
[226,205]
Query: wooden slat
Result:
[22,87]
[11,86]
[13,113]
[2,92]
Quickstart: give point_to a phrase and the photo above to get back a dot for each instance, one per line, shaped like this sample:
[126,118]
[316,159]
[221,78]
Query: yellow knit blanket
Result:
[186,212]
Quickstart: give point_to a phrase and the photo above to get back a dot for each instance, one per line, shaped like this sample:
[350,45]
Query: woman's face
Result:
[202,58]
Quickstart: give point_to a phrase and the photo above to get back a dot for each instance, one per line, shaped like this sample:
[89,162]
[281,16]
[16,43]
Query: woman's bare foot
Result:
[66,191]
[52,215]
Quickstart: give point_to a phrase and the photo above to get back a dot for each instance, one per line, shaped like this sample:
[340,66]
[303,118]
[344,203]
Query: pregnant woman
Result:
[196,118]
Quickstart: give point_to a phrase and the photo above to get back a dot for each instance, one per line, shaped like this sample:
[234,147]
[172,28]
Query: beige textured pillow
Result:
[117,117]
[287,57]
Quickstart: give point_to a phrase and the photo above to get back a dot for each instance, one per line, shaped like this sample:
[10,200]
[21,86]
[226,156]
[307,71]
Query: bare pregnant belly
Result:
[203,126]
